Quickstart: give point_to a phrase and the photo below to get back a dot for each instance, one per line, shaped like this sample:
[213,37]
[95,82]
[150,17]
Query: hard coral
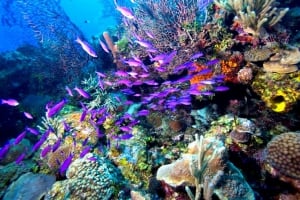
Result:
[231,67]
[279,91]
[91,178]
[283,157]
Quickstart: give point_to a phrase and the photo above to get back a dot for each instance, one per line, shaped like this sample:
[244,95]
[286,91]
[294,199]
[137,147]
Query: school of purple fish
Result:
[161,95]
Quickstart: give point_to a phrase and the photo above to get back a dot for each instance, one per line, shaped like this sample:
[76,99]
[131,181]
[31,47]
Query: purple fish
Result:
[196,56]
[104,47]
[45,151]
[85,141]
[208,82]
[101,74]
[85,151]
[37,145]
[65,165]
[69,91]
[20,158]
[221,88]
[149,34]
[56,144]
[83,115]
[121,73]
[150,82]
[4,150]
[124,11]
[126,128]
[86,47]
[182,67]
[143,113]
[124,82]
[126,136]
[28,115]
[144,43]
[212,62]
[133,62]
[33,131]
[82,93]
[10,102]
[20,137]
[55,109]
[66,126]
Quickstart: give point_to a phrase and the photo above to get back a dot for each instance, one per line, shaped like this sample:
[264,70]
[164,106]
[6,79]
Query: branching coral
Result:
[254,15]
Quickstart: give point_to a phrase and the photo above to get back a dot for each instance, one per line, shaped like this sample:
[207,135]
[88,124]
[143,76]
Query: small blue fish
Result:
[82,93]
[55,109]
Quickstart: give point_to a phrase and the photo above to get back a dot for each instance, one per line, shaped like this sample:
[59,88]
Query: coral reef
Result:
[283,157]
[279,91]
[37,186]
[206,167]
[91,177]
[254,15]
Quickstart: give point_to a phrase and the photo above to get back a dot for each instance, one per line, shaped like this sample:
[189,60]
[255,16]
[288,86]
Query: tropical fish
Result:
[56,144]
[221,88]
[125,128]
[86,47]
[28,115]
[55,109]
[45,151]
[212,62]
[143,113]
[85,151]
[38,144]
[20,158]
[101,74]
[124,11]
[125,136]
[196,56]
[144,43]
[69,91]
[104,47]
[65,165]
[10,102]
[33,131]
[4,150]
[82,93]
[20,137]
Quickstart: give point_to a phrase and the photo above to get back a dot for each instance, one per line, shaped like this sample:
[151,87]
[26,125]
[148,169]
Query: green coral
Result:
[123,45]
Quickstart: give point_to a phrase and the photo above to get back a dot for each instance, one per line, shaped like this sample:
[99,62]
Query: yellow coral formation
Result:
[279,91]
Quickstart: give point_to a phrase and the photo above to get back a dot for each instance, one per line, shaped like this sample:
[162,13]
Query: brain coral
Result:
[90,178]
[283,154]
